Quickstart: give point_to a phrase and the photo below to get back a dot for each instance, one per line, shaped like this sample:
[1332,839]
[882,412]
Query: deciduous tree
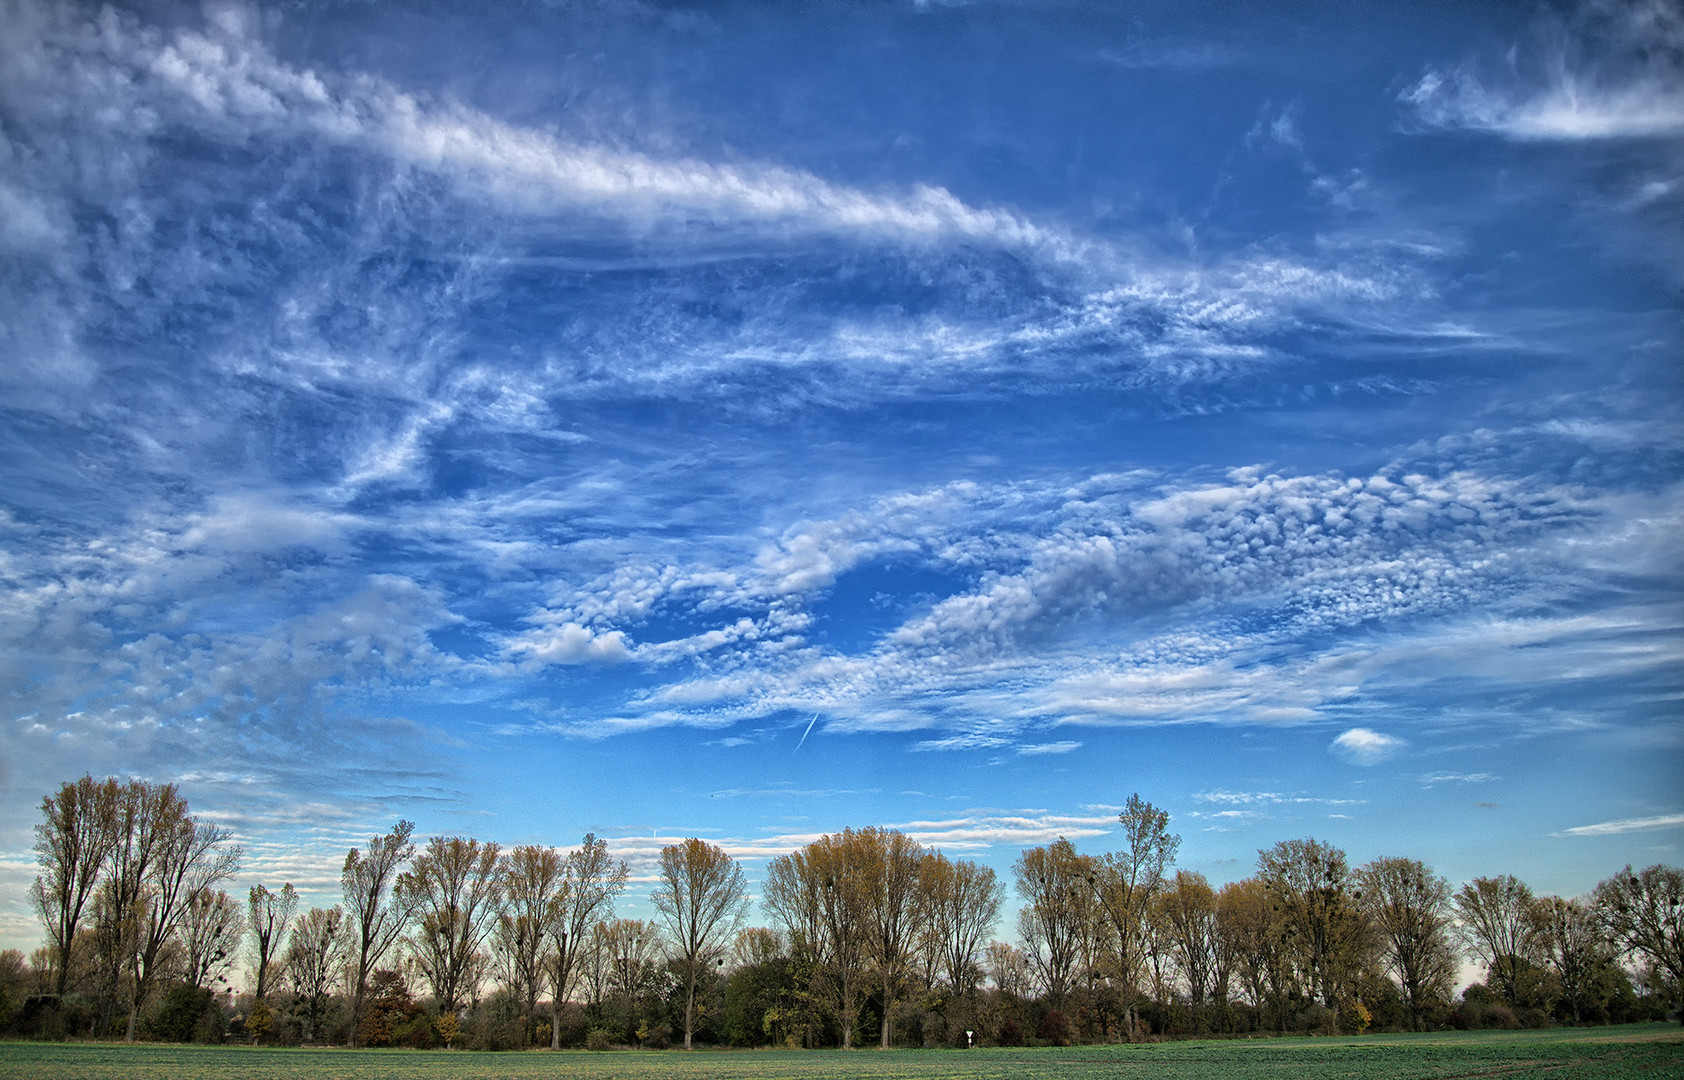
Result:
[1575,947]
[453,891]
[1125,881]
[1643,916]
[1410,907]
[1498,927]
[590,882]
[756,945]
[1187,908]
[889,862]
[1008,968]
[210,935]
[1312,887]
[269,914]
[191,858]
[375,907]
[74,839]
[964,900]
[1055,883]
[313,959]
[821,897]
[1247,918]
[532,880]
[702,899]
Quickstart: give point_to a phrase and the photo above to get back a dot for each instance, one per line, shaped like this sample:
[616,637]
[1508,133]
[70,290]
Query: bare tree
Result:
[268,914]
[590,882]
[210,935]
[595,968]
[453,891]
[1410,906]
[1498,927]
[1008,968]
[1187,910]
[72,843]
[191,858]
[1057,914]
[145,814]
[375,907]
[313,960]
[1569,937]
[532,880]
[160,859]
[890,863]
[1643,915]
[755,945]
[702,899]
[1312,886]
[1125,881]
[631,951]
[821,897]
[964,900]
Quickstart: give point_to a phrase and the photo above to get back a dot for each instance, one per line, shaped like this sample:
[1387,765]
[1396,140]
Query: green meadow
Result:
[1646,1050]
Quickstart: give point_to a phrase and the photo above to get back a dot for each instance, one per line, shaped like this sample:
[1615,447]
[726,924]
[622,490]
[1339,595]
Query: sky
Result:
[747,420]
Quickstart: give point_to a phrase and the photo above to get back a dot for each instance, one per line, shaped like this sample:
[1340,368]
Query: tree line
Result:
[868,934]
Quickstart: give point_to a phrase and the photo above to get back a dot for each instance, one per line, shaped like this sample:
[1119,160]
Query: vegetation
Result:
[871,937]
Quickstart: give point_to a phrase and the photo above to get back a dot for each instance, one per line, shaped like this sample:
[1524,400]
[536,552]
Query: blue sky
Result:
[746,420]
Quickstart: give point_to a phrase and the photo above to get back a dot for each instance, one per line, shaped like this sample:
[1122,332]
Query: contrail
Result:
[808,732]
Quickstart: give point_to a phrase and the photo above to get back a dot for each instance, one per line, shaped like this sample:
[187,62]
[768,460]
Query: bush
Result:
[178,1018]
[496,1025]
[1011,1033]
[599,1039]
[1315,1017]
[47,1016]
[1054,1028]
[1478,1013]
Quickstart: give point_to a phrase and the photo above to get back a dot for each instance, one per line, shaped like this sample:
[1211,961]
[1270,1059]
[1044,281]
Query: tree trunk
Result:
[888,1008]
[356,1015]
[690,1006]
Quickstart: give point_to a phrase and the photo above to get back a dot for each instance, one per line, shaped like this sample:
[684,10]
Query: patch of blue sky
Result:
[868,601]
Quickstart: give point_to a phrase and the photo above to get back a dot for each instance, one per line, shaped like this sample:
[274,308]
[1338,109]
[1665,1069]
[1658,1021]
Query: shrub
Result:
[1055,1029]
[177,1018]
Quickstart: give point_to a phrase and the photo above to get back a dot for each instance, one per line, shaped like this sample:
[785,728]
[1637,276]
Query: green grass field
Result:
[1650,1050]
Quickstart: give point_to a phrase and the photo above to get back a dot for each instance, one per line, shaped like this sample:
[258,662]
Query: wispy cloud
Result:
[1616,71]
[1064,746]
[222,78]
[1628,825]
[1433,779]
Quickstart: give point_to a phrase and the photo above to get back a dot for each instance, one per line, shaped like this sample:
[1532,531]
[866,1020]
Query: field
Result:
[1649,1050]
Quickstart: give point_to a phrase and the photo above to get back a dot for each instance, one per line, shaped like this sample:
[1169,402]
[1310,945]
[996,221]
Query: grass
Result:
[1639,1050]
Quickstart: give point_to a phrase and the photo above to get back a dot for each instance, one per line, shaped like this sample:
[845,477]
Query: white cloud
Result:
[1120,600]
[223,77]
[1064,746]
[969,741]
[1616,71]
[1432,779]
[571,643]
[1264,798]
[1567,110]
[1363,746]
[1628,825]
